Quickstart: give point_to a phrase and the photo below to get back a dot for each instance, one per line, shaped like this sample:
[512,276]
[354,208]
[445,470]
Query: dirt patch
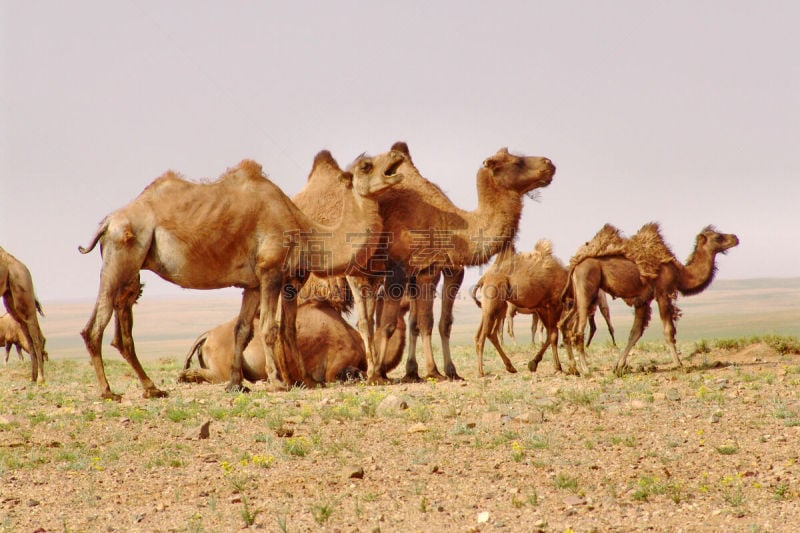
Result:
[714,448]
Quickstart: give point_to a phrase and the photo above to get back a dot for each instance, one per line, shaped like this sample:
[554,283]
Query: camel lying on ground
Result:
[528,280]
[16,288]
[639,270]
[331,349]
[240,230]
[11,335]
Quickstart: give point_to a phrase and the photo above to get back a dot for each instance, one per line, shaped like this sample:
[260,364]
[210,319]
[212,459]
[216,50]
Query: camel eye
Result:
[366,167]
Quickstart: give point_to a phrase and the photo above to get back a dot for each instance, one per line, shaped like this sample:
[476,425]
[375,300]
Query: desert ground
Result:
[712,447]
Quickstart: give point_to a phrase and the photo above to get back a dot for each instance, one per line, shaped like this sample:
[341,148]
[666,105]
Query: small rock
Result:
[391,404]
[236,498]
[659,396]
[419,427]
[673,395]
[715,417]
[354,472]
[199,433]
[483,517]
[33,503]
[573,501]
[638,404]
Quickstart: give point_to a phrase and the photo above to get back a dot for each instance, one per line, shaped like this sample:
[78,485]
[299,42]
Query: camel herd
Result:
[376,236]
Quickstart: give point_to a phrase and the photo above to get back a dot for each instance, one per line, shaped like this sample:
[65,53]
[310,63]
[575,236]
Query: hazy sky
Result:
[687,113]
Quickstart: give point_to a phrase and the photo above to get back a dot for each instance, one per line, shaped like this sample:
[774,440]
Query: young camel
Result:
[537,325]
[16,288]
[528,280]
[432,237]
[240,230]
[330,347]
[639,270]
[11,335]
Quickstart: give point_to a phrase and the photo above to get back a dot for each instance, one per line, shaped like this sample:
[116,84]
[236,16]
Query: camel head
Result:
[371,175]
[715,242]
[517,173]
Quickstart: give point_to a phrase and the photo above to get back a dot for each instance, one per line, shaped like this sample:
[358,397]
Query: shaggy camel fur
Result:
[639,270]
[431,237]
[528,280]
[240,230]
[537,326]
[11,335]
[330,347]
[16,287]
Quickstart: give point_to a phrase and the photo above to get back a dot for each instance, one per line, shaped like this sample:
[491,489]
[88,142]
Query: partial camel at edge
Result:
[12,336]
[639,270]
[240,230]
[16,288]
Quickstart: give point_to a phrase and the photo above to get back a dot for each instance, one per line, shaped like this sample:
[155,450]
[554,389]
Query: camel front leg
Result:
[242,334]
[364,299]
[277,371]
[667,310]
[450,286]
[288,328]
[427,293]
[640,319]
[412,368]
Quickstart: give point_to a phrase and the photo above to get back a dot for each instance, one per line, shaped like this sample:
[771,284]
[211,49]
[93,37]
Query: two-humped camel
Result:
[240,230]
[430,236]
[639,270]
[16,288]
[528,280]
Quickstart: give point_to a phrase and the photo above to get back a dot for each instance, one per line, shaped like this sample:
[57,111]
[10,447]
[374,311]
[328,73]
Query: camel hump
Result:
[324,157]
[608,241]
[544,247]
[649,250]
[246,169]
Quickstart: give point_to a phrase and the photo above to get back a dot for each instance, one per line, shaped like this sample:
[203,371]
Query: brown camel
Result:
[431,236]
[331,349]
[639,270]
[537,325]
[16,287]
[240,230]
[11,335]
[528,280]
[424,233]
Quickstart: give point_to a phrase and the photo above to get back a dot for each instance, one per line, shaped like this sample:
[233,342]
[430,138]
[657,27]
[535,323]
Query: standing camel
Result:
[240,230]
[430,236]
[11,335]
[639,270]
[528,280]
[16,287]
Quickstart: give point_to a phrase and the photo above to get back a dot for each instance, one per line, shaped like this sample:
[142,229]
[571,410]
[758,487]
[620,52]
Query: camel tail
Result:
[97,236]
[474,292]
[566,292]
[197,347]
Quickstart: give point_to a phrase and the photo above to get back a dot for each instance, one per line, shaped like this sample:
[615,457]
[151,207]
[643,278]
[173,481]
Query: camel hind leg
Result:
[22,306]
[123,337]
[288,329]
[668,312]
[640,319]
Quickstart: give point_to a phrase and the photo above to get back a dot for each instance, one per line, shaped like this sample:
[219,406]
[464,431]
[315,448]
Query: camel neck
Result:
[698,273]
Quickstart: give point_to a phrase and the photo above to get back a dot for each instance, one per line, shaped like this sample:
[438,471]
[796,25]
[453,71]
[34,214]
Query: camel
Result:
[639,270]
[331,349]
[11,335]
[240,230]
[431,237]
[528,280]
[16,287]
[537,325]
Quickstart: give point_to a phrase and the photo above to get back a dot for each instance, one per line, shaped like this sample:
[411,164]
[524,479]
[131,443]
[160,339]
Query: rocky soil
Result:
[711,449]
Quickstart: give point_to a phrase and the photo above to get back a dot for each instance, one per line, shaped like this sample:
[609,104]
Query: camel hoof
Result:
[454,377]
[533,364]
[572,371]
[411,378]
[511,370]
[108,395]
[619,370]
[378,380]
[275,386]
[236,388]
[436,376]
[154,393]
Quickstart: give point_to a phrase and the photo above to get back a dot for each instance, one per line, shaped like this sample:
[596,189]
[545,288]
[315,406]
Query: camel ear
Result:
[701,239]
[347,179]
[400,146]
